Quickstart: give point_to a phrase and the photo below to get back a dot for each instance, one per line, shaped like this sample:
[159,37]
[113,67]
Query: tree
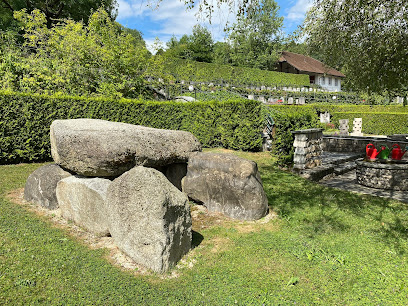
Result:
[367,38]
[201,44]
[197,47]
[255,37]
[54,9]
[222,53]
[72,58]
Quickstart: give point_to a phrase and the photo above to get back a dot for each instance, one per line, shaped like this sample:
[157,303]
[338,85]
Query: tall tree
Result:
[55,9]
[197,47]
[201,44]
[368,39]
[255,37]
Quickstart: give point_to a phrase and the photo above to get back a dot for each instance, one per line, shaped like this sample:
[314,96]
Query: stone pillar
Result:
[357,127]
[308,148]
[344,127]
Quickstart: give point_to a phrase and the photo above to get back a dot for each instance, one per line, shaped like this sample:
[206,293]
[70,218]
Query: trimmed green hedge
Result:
[25,120]
[361,108]
[207,72]
[290,118]
[376,123]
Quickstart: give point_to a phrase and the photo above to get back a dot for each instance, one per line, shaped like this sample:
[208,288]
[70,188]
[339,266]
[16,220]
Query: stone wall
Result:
[382,176]
[357,144]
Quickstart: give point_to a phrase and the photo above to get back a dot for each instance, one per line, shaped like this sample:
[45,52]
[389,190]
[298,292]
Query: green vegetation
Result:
[377,119]
[325,247]
[385,123]
[99,59]
[54,10]
[288,118]
[254,40]
[370,33]
[174,69]
[25,120]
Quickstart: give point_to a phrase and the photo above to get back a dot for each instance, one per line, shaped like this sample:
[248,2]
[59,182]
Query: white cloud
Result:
[298,11]
[131,8]
[172,18]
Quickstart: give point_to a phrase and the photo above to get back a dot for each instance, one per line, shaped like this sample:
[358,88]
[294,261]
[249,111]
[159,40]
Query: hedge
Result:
[383,123]
[290,118]
[361,108]
[25,120]
[207,72]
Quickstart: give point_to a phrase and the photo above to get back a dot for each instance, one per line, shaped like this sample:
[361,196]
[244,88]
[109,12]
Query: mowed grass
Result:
[325,247]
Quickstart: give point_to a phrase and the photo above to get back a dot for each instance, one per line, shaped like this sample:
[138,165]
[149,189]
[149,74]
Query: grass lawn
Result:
[325,247]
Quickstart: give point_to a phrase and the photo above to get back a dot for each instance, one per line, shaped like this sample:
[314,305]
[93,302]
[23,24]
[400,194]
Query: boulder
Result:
[149,218]
[91,147]
[41,185]
[82,200]
[227,184]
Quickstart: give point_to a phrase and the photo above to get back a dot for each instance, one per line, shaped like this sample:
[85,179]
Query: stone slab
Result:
[91,147]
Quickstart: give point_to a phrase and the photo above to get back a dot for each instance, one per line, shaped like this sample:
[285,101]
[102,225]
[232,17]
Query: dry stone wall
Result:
[308,148]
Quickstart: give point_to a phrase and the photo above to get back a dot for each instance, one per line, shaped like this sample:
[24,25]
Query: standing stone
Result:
[149,218]
[41,185]
[91,147]
[344,127]
[227,184]
[82,200]
[290,100]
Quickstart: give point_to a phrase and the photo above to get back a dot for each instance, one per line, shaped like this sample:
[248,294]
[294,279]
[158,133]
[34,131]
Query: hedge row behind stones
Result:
[25,120]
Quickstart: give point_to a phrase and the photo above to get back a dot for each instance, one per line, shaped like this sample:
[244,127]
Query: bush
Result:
[25,120]
[290,118]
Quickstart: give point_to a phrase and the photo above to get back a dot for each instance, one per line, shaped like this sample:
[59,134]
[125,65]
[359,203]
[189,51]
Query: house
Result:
[328,78]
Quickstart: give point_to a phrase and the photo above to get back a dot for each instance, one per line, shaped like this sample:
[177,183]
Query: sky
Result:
[172,18]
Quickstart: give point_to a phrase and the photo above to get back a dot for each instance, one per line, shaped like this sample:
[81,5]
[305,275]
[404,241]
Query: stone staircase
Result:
[333,164]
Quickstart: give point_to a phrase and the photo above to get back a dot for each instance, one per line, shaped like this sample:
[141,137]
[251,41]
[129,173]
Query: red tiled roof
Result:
[308,64]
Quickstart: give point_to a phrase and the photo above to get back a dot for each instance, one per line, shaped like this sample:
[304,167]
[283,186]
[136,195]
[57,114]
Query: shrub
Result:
[290,118]
[25,120]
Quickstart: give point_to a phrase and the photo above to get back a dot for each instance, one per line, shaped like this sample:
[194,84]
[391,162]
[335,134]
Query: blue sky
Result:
[172,18]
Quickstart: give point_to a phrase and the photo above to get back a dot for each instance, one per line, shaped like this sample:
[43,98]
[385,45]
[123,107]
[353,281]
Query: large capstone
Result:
[82,200]
[149,218]
[227,184]
[92,147]
[41,185]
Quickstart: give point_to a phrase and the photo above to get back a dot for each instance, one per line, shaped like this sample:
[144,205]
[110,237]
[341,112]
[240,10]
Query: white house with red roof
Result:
[328,78]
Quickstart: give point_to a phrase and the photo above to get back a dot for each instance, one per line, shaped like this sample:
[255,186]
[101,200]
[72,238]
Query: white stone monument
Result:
[325,117]
[357,127]
[290,100]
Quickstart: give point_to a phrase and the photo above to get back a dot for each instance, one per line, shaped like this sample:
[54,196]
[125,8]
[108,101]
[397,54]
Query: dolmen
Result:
[134,183]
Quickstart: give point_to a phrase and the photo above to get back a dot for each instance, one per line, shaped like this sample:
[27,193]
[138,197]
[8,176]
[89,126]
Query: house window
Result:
[336,82]
[330,81]
[322,80]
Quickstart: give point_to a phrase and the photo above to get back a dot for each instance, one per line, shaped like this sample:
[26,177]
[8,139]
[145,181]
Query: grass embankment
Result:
[326,247]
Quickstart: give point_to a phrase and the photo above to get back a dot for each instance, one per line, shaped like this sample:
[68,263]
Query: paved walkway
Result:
[347,182]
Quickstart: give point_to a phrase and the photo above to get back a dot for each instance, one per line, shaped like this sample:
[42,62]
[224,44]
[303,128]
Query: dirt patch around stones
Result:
[201,219]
